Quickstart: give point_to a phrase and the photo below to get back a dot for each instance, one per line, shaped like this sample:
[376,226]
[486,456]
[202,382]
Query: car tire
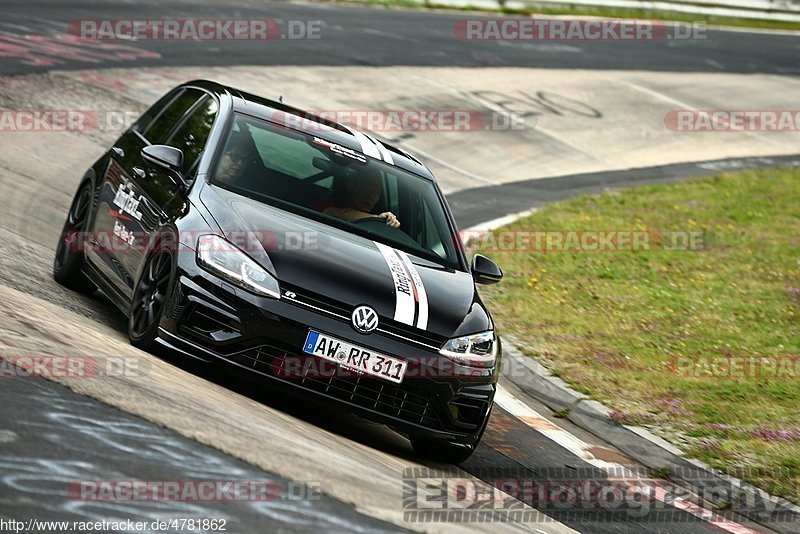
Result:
[150,297]
[445,452]
[69,258]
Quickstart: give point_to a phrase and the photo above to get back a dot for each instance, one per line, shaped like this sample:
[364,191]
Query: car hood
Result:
[350,269]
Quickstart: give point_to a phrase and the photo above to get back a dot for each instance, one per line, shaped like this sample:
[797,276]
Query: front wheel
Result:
[149,299]
[68,262]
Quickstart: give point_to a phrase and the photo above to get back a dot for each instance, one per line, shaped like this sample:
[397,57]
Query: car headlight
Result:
[477,350]
[222,258]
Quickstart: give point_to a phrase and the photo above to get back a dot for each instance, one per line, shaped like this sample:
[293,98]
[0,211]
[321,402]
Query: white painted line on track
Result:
[502,111]
[547,428]
[450,166]
[580,448]
[789,79]
[666,98]
[494,224]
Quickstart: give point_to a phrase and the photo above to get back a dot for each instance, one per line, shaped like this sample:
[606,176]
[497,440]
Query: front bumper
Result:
[208,318]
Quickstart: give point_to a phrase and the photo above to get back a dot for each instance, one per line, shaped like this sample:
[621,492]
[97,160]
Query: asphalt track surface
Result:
[50,436]
[64,437]
[363,36]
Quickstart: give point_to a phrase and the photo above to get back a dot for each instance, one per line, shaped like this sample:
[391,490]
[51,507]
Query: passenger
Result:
[358,197]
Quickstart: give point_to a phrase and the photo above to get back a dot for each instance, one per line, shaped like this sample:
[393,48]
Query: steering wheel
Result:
[362,220]
[379,228]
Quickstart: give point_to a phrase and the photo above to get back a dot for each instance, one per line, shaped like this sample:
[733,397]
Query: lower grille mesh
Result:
[374,394]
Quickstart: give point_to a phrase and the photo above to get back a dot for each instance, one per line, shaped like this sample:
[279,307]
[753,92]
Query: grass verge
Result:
[700,346]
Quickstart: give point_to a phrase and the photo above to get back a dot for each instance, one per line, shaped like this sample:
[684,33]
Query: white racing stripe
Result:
[385,154]
[405,303]
[367,147]
[419,290]
[579,448]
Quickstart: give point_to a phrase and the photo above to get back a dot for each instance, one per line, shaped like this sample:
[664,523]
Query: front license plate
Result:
[355,358]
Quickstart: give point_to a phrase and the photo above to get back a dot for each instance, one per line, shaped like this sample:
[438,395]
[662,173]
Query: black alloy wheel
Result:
[149,298]
[69,258]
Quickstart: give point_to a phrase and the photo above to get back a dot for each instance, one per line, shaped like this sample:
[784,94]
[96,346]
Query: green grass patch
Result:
[598,11]
[633,329]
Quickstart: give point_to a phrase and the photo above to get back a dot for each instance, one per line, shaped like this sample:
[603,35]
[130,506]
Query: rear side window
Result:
[191,136]
[157,132]
[154,111]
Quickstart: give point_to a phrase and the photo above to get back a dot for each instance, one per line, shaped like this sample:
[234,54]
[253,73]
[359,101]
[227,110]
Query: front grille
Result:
[400,401]
[343,312]
[308,298]
[412,333]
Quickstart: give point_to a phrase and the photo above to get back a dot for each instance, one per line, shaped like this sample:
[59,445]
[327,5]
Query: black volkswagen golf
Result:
[233,228]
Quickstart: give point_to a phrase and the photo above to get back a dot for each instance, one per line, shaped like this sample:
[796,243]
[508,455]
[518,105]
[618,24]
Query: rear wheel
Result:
[149,298]
[68,263]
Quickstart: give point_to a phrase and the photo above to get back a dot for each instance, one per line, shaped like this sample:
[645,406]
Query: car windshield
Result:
[311,176]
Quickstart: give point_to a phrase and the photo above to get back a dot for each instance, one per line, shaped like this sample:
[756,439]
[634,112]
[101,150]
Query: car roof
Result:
[311,124]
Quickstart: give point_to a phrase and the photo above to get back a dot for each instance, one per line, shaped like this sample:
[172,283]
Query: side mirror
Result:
[166,159]
[485,271]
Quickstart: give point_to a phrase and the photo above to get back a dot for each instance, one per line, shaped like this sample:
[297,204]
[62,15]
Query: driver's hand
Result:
[391,220]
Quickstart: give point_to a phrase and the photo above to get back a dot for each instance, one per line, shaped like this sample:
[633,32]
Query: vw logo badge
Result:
[364,319]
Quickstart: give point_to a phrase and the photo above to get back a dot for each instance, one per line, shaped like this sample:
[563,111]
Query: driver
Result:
[239,158]
[359,197]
